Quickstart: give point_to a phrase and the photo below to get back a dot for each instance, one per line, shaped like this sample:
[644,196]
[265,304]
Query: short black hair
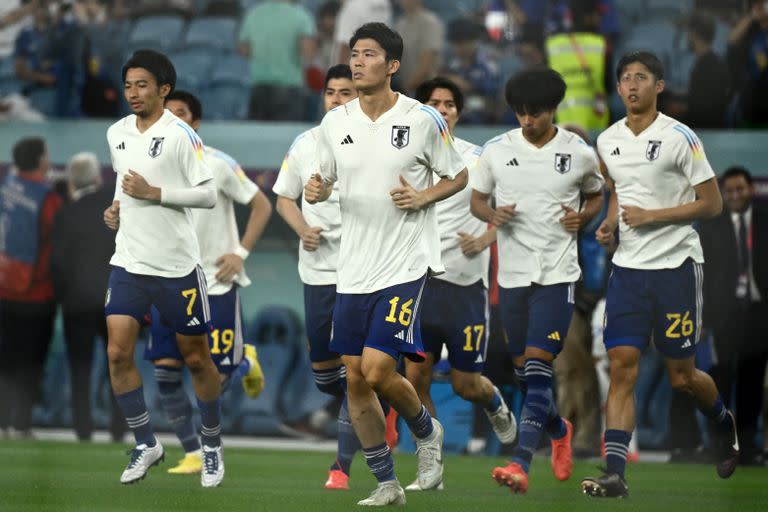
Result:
[156,63]
[382,34]
[193,104]
[27,153]
[534,91]
[702,26]
[425,89]
[647,59]
[736,171]
[337,71]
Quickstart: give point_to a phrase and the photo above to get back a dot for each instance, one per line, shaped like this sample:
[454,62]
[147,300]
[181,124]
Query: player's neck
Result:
[376,103]
[145,123]
[544,139]
[638,123]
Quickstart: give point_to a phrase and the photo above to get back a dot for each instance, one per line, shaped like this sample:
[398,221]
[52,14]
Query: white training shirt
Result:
[656,169]
[217,228]
[534,247]
[316,267]
[381,245]
[154,239]
[453,215]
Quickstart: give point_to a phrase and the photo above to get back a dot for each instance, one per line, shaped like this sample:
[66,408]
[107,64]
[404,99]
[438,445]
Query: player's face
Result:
[181,110]
[442,101]
[338,92]
[370,69]
[738,193]
[638,88]
[142,92]
[535,125]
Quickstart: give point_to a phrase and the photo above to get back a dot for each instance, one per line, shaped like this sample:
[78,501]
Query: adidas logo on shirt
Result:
[120,146]
[400,335]
[554,336]
[193,322]
[513,162]
[347,140]
[616,152]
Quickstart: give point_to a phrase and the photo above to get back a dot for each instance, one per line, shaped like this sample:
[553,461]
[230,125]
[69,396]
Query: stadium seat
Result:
[192,68]
[226,101]
[215,33]
[631,11]
[669,9]
[44,101]
[230,69]
[449,11]
[159,32]
[10,85]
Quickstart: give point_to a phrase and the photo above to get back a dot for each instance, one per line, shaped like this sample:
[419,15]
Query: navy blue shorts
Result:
[665,304]
[387,320]
[456,316]
[182,302]
[318,318]
[536,316]
[225,338]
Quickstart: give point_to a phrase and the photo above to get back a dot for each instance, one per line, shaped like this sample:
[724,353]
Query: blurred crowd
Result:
[265,59]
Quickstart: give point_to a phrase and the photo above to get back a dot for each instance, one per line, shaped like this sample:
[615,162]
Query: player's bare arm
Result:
[231,264]
[112,216]
[290,212]
[408,198]
[317,190]
[605,233]
[474,245]
[708,204]
[499,217]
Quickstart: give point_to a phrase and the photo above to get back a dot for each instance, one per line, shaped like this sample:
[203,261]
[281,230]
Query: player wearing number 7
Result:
[540,175]
[662,182]
[223,255]
[383,148]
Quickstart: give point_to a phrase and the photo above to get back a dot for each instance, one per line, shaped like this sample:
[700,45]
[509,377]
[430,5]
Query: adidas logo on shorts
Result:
[400,335]
[193,322]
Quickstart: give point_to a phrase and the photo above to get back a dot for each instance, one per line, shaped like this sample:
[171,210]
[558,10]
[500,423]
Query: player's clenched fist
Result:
[310,239]
[604,233]
[571,221]
[316,190]
[503,215]
[136,186]
[406,197]
[112,216]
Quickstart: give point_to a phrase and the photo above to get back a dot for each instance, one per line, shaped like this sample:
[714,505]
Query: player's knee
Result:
[118,356]
[196,363]
[466,388]
[378,378]
[623,373]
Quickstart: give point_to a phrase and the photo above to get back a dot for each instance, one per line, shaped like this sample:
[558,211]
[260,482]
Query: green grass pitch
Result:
[55,476]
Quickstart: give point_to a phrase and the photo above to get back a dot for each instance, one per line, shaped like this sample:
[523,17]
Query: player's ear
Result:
[660,86]
[393,66]
[165,90]
[196,124]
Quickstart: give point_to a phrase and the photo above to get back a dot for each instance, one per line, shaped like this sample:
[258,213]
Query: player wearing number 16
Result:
[161,173]
[384,148]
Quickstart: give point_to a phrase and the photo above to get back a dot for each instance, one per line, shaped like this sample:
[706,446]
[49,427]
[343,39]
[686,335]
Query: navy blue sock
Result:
[136,415]
[536,410]
[421,424]
[348,443]
[384,405]
[210,417]
[495,402]
[380,462]
[520,376]
[616,448]
[332,381]
[242,369]
[176,406]
[718,414]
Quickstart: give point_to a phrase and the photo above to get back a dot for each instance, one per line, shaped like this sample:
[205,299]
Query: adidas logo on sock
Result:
[554,336]
[400,335]
[120,146]
[347,140]
[616,152]
[193,322]
[513,162]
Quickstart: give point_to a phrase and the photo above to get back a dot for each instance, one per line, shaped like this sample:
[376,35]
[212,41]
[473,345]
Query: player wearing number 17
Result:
[161,172]
[540,174]
[661,182]
[383,148]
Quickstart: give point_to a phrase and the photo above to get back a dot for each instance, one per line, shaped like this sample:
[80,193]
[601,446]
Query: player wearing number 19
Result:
[383,148]
[540,174]
[161,172]
[223,255]
[662,182]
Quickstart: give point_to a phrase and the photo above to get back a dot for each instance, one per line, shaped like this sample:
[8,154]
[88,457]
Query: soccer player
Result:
[540,174]
[455,311]
[383,149]
[319,228]
[662,182]
[161,172]
[223,255]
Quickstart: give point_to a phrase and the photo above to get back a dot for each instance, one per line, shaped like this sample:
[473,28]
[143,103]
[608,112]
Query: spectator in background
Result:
[82,248]
[277,36]
[91,12]
[530,47]
[735,248]
[13,17]
[30,58]
[748,54]
[325,22]
[423,34]
[474,71]
[131,9]
[581,57]
[354,14]
[28,206]
[706,102]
